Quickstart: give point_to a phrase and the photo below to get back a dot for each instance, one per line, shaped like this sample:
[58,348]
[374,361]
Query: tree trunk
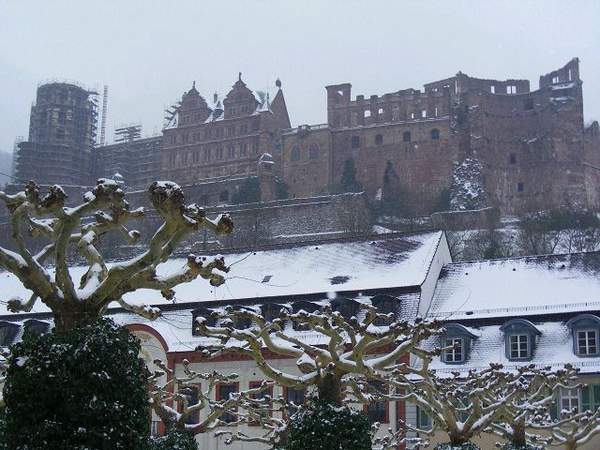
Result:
[518,437]
[330,389]
[457,439]
[70,317]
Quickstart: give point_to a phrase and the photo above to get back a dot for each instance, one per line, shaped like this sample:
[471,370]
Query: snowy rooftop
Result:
[554,348]
[518,287]
[387,262]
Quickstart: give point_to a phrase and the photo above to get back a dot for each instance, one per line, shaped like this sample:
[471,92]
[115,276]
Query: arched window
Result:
[295,154]
[406,136]
[313,151]
[435,134]
[379,139]
[224,196]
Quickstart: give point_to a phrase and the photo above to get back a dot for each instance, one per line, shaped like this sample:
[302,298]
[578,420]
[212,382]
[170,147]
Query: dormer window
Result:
[587,342]
[520,338]
[454,352]
[519,346]
[585,329]
[456,343]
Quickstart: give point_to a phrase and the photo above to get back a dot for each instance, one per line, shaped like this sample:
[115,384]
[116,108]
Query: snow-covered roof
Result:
[518,287]
[554,348]
[356,265]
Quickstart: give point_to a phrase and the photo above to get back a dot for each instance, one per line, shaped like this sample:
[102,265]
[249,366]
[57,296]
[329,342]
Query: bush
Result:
[174,440]
[465,446]
[322,426]
[82,389]
[511,446]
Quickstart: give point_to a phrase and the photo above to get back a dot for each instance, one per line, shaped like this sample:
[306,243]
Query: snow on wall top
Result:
[385,262]
[518,287]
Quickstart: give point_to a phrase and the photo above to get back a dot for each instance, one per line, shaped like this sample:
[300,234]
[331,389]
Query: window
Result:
[230,131]
[219,153]
[590,397]
[380,111]
[406,136]
[555,79]
[191,398]
[456,353]
[224,392]
[377,411]
[230,151]
[587,342]
[493,89]
[424,113]
[513,158]
[367,113]
[435,134]
[268,392]
[378,139]
[511,89]
[423,420]
[569,399]
[295,156]
[295,396]
[519,346]
[570,75]
[520,187]
[243,149]
[435,111]
[412,115]
[355,142]
[313,151]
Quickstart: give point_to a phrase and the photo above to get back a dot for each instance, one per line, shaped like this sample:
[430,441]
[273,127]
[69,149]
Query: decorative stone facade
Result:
[222,137]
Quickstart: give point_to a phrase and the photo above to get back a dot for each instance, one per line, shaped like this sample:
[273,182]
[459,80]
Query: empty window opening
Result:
[520,187]
[424,113]
[493,89]
[295,154]
[380,111]
[555,79]
[367,113]
[406,136]
[379,139]
[435,134]
[513,158]
[355,141]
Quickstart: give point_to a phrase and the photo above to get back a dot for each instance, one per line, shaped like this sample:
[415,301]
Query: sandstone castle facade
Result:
[532,146]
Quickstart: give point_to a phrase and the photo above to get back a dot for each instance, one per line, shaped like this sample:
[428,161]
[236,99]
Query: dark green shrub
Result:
[83,389]
[465,446]
[322,426]
[174,440]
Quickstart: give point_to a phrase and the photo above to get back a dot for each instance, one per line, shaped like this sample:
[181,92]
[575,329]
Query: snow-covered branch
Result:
[100,285]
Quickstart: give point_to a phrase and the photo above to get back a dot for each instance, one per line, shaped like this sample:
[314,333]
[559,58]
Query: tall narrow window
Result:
[569,399]
[379,139]
[455,351]
[406,136]
[377,411]
[493,89]
[587,342]
[313,151]
[191,398]
[520,187]
[367,113]
[435,134]
[513,158]
[519,346]
[355,141]
[224,392]
[295,156]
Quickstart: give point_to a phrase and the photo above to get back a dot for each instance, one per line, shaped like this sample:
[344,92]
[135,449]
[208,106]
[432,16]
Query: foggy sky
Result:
[148,52]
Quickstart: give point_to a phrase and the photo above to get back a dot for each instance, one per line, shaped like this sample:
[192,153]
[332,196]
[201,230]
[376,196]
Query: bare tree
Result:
[348,348]
[573,430]
[100,285]
[215,413]
[535,390]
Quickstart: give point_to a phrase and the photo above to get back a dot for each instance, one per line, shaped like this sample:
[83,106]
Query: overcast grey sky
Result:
[148,52]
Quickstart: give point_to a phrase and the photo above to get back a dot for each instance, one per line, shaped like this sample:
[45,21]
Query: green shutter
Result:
[596,392]
[586,403]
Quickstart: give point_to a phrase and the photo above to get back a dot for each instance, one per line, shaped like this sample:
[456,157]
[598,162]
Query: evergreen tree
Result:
[80,389]
[348,181]
[248,192]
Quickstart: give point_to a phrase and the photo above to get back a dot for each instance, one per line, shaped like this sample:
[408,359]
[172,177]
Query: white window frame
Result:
[569,399]
[450,355]
[518,349]
[587,345]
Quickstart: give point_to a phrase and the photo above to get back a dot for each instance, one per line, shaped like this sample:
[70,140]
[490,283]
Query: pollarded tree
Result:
[573,430]
[462,405]
[341,349]
[65,228]
[535,390]
[199,413]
